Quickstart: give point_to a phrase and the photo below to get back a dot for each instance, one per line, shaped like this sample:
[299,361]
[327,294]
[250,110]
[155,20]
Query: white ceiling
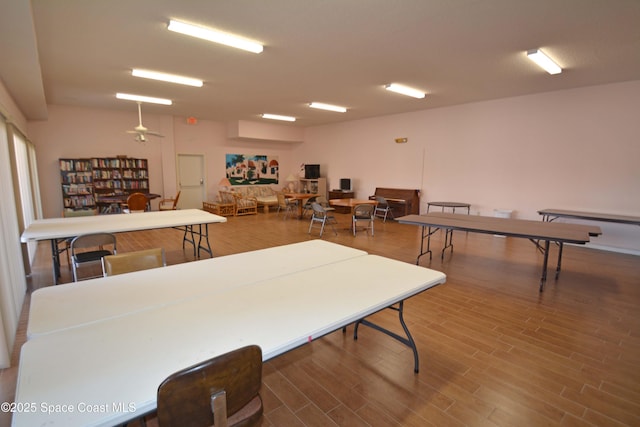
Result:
[80,53]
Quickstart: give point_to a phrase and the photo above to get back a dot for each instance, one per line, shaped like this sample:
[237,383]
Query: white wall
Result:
[82,132]
[573,149]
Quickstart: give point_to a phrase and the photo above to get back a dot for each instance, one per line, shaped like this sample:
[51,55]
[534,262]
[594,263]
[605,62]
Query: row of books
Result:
[77,165]
[76,177]
[79,202]
[119,163]
[111,184]
[74,189]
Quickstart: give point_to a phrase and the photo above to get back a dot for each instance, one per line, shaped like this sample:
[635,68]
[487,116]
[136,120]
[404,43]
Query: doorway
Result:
[191,180]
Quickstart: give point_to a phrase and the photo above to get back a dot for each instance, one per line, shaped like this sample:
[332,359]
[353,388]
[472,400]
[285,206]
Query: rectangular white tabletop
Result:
[114,367]
[60,228]
[74,304]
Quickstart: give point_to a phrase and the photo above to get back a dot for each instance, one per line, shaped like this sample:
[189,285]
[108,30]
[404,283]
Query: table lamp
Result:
[291,180]
[225,183]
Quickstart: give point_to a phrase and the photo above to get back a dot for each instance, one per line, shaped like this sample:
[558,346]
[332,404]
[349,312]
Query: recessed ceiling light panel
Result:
[546,63]
[328,107]
[214,36]
[405,90]
[141,98]
[171,78]
[278,117]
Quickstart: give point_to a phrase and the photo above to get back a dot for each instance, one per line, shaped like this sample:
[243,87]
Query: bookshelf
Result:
[95,182]
[316,186]
[77,184]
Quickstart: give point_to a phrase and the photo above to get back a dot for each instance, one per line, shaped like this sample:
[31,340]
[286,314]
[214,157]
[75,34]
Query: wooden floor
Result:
[493,350]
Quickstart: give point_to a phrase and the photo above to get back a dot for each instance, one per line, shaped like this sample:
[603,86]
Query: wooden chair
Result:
[364,212]
[242,205]
[285,204]
[245,205]
[169,204]
[223,391]
[133,261]
[89,249]
[137,202]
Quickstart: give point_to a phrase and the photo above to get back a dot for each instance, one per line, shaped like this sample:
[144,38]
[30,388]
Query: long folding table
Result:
[55,229]
[55,308]
[101,368]
[549,215]
[533,230]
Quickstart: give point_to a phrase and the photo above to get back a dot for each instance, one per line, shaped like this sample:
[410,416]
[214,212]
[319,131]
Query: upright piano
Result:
[403,201]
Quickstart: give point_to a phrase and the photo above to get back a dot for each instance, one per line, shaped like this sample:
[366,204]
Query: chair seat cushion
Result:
[267,200]
[91,256]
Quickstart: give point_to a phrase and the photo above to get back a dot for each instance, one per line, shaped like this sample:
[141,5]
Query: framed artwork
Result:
[251,169]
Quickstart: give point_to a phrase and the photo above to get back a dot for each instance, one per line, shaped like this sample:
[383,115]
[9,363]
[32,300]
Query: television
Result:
[345,184]
[312,171]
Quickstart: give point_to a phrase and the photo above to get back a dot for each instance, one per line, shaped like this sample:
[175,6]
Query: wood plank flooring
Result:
[493,350]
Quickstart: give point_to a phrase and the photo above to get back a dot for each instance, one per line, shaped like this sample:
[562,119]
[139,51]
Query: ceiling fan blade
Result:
[140,131]
[140,114]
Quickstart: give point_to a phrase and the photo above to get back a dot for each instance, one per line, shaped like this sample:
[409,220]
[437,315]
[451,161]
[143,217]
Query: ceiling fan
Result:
[141,131]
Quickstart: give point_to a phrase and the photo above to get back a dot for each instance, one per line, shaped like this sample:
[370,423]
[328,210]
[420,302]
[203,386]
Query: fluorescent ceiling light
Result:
[278,117]
[171,78]
[328,107]
[214,36]
[405,90]
[141,98]
[544,61]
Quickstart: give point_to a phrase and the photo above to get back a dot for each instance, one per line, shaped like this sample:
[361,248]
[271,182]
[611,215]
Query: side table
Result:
[450,205]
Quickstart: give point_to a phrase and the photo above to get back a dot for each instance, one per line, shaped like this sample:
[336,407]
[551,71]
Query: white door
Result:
[191,181]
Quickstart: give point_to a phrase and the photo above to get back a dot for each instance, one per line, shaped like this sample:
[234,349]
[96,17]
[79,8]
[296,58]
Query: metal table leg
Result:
[543,279]
[55,260]
[428,237]
[408,341]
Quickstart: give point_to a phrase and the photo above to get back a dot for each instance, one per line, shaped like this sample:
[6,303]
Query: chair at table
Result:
[222,391]
[307,205]
[323,217]
[287,205]
[364,212]
[66,243]
[133,261]
[383,208]
[322,201]
[89,249]
[169,204]
[136,202]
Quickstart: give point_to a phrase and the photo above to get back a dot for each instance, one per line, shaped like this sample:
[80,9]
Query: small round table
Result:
[450,205]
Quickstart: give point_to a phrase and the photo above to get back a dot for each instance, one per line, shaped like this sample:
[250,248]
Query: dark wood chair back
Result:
[195,396]
[137,202]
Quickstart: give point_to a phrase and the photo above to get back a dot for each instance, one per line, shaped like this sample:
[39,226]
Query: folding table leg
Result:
[543,279]
[408,341]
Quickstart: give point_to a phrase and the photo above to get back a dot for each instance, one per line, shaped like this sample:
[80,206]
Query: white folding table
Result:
[60,307]
[107,371]
[54,229]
